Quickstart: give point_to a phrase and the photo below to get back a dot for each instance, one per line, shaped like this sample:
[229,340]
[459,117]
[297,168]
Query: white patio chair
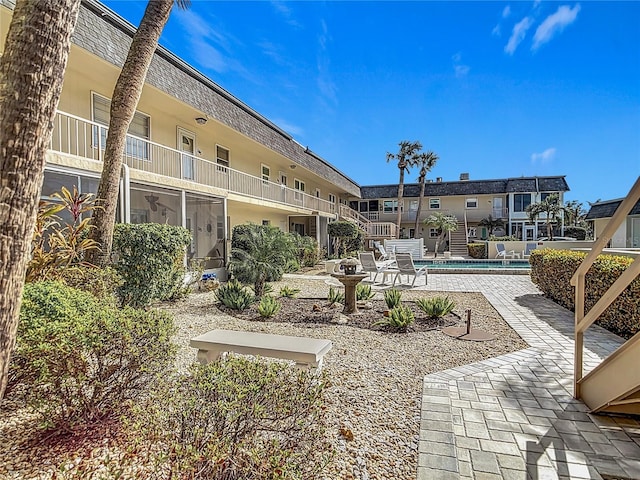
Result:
[405,266]
[526,253]
[384,255]
[504,253]
[369,265]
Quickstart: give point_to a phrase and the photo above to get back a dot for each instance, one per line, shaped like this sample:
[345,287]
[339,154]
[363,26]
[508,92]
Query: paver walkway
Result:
[514,417]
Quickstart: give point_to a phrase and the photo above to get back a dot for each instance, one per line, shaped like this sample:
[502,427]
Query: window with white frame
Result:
[140,126]
[413,207]
[521,201]
[390,206]
[471,202]
[332,198]
[299,186]
[434,204]
[266,172]
[434,232]
[222,158]
[318,194]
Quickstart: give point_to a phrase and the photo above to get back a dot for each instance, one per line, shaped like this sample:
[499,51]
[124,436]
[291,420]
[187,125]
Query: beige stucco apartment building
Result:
[198,157]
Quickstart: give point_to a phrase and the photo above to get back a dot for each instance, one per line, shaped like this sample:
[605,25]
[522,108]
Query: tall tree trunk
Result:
[123,106]
[31,72]
[400,195]
[415,230]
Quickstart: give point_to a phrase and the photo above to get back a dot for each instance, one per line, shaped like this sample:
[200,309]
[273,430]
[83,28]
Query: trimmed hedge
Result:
[551,271]
[477,250]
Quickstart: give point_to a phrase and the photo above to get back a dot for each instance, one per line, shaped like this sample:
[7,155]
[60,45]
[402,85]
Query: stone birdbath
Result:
[350,279]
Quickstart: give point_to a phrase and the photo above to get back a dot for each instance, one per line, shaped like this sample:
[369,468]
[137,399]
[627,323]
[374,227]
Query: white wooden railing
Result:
[584,321]
[80,137]
[371,229]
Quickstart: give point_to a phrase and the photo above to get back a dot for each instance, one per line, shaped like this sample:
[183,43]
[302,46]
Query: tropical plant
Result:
[264,254]
[392,297]
[436,307]
[32,66]
[306,249]
[491,223]
[341,232]
[56,244]
[268,306]
[363,292]
[400,318]
[445,223]
[234,295]
[406,157]
[426,161]
[575,213]
[124,101]
[289,292]
[335,296]
[549,207]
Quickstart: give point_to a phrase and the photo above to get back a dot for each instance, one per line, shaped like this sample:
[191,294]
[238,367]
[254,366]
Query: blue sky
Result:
[496,89]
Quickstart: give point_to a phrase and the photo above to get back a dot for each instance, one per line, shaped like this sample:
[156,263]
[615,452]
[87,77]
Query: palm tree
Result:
[426,161]
[265,252]
[126,95]
[491,223]
[550,206]
[575,212]
[406,157]
[444,223]
[31,72]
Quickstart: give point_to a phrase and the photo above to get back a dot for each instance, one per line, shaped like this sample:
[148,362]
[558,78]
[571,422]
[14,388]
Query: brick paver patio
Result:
[514,417]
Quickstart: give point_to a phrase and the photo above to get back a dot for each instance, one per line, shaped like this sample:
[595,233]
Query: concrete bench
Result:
[306,352]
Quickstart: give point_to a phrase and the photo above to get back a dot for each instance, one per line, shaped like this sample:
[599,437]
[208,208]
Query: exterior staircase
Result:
[372,230]
[458,240]
[614,385]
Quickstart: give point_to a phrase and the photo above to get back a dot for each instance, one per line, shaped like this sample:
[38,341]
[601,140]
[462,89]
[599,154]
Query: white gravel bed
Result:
[376,380]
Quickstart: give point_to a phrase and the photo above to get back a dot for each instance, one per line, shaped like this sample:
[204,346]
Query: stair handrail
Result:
[582,322]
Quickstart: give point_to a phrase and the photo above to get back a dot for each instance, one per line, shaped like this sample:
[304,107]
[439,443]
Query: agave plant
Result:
[436,307]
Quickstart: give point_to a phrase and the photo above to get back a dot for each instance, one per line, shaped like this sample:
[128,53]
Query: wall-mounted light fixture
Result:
[292,166]
[201,120]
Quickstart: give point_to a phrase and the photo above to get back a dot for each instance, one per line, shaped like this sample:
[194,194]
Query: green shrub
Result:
[551,271]
[345,237]
[268,306]
[151,261]
[436,307]
[234,295]
[289,292]
[306,249]
[400,318]
[237,419]
[100,282]
[392,298]
[82,358]
[363,292]
[477,250]
[335,296]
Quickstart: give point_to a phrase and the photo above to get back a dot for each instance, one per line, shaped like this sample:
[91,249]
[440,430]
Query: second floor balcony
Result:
[76,136]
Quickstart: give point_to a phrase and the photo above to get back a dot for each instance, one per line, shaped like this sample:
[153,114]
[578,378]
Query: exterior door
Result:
[529,232]
[187,144]
[635,233]
[497,207]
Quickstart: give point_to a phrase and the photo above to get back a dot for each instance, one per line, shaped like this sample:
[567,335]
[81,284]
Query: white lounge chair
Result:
[384,255]
[504,253]
[405,266]
[369,264]
[526,253]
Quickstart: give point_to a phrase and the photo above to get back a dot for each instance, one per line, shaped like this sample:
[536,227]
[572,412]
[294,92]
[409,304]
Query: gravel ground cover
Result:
[373,403]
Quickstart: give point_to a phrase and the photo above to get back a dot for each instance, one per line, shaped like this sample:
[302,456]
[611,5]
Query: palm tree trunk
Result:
[123,106]
[400,195]
[31,68]
[415,230]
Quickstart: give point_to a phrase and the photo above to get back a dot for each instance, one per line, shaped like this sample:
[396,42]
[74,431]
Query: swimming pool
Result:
[506,267]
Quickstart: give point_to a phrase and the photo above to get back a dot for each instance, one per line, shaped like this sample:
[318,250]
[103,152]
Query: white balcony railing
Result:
[77,136]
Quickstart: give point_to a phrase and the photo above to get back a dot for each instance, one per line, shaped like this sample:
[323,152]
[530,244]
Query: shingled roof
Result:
[108,36]
[470,187]
[607,208]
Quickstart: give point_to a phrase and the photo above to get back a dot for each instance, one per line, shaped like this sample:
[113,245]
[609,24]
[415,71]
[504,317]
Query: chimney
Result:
[438,179]
[464,177]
